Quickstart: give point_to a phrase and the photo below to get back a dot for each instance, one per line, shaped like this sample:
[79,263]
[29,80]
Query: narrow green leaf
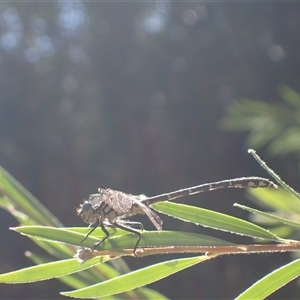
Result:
[290,96]
[47,233]
[57,250]
[280,200]
[120,239]
[283,231]
[135,279]
[272,282]
[22,200]
[75,281]
[213,219]
[268,215]
[98,273]
[47,271]
[152,294]
[274,175]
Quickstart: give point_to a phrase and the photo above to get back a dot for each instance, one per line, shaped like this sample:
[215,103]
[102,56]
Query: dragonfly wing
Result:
[154,217]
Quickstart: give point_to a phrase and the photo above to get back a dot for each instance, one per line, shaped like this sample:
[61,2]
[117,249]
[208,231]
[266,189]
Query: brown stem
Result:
[208,250]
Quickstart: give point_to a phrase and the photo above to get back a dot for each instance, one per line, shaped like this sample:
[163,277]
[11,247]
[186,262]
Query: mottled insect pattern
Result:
[112,208]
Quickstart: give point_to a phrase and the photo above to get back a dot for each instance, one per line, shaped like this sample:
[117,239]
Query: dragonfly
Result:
[112,208]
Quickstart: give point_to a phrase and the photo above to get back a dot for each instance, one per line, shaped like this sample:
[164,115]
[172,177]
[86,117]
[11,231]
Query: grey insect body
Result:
[111,208]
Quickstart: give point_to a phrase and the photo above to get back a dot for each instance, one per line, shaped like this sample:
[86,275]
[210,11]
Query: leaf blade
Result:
[270,216]
[136,279]
[272,282]
[47,271]
[213,219]
[120,239]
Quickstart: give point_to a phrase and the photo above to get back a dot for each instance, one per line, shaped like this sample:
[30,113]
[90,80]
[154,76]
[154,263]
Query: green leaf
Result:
[278,200]
[27,210]
[213,219]
[47,271]
[288,142]
[268,215]
[75,281]
[290,96]
[272,282]
[120,239]
[98,273]
[274,126]
[283,231]
[22,200]
[136,279]
[151,294]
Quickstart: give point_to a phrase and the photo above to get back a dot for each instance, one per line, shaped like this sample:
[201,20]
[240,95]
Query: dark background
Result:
[131,96]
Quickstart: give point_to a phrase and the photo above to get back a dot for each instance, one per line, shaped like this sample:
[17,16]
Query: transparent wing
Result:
[154,217]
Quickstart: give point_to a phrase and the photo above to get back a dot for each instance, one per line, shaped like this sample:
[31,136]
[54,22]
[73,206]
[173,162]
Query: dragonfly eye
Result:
[86,212]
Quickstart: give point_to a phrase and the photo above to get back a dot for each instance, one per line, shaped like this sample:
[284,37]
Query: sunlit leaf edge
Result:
[117,241]
[270,216]
[272,282]
[213,219]
[47,271]
[136,279]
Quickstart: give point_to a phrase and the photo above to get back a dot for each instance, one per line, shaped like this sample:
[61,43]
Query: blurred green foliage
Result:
[275,126]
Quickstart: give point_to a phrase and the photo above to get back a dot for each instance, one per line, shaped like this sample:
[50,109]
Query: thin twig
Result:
[209,250]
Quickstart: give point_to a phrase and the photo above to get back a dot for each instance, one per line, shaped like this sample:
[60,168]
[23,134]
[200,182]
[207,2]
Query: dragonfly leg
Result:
[121,224]
[131,223]
[94,226]
[105,238]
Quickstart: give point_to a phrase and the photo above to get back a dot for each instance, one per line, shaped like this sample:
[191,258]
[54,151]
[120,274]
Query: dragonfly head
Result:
[86,212]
